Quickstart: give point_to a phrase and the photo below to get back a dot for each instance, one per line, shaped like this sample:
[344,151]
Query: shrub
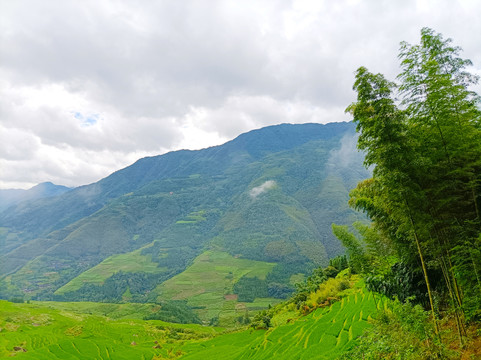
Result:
[404,331]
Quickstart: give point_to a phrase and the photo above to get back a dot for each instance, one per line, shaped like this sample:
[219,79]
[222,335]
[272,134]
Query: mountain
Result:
[9,197]
[265,200]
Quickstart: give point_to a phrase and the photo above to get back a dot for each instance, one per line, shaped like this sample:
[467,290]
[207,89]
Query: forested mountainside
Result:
[268,196]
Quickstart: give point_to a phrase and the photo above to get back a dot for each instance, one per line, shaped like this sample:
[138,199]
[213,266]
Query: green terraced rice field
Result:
[58,331]
[113,311]
[204,284]
[324,334]
[208,282]
[53,333]
[129,262]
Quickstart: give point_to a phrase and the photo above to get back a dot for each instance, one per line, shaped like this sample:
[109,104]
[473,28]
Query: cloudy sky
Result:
[88,87]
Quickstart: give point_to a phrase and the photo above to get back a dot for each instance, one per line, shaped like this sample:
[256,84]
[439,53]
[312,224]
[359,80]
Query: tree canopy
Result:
[422,137]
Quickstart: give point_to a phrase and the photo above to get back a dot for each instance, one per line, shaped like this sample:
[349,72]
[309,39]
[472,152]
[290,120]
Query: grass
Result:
[129,262]
[193,217]
[324,334]
[113,311]
[55,331]
[208,282]
[296,278]
[49,330]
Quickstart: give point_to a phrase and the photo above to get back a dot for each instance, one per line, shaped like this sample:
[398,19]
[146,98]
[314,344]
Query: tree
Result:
[358,261]
[446,116]
[425,194]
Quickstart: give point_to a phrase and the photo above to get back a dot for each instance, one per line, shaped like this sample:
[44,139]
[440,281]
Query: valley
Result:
[53,330]
[267,197]
[240,180]
[212,237]
[232,252]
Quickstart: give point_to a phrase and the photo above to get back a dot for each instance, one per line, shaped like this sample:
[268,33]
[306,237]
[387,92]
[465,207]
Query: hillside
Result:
[56,331]
[269,195]
[324,334]
[63,330]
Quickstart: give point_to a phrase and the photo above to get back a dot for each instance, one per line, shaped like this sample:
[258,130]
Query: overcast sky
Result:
[88,87]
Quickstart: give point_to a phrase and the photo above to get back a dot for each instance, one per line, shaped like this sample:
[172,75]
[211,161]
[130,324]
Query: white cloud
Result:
[239,114]
[347,155]
[91,85]
[256,191]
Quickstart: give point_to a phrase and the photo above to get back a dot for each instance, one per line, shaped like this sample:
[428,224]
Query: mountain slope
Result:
[324,334]
[65,330]
[268,195]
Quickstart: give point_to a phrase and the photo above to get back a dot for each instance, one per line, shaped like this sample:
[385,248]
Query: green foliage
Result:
[318,290]
[327,293]
[67,330]
[162,212]
[282,273]
[279,291]
[467,259]
[358,260]
[425,192]
[16,300]
[46,332]
[175,311]
[244,319]
[249,288]
[339,263]
[139,285]
[115,311]
[401,282]
[423,198]
[403,331]
[312,282]
[209,286]
[130,262]
[262,320]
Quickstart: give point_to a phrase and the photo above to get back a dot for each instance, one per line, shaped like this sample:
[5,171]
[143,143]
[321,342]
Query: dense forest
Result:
[422,138]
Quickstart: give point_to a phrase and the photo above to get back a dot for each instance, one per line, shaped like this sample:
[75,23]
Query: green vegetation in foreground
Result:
[421,136]
[130,262]
[323,334]
[35,331]
[49,330]
[208,284]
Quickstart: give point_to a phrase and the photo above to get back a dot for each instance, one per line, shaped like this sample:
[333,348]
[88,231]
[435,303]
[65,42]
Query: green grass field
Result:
[324,334]
[113,311]
[129,262]
[50,330]
[57,331]
[207,286]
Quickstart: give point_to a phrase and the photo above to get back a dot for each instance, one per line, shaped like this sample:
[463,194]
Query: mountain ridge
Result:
[9,197]
[177,205]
